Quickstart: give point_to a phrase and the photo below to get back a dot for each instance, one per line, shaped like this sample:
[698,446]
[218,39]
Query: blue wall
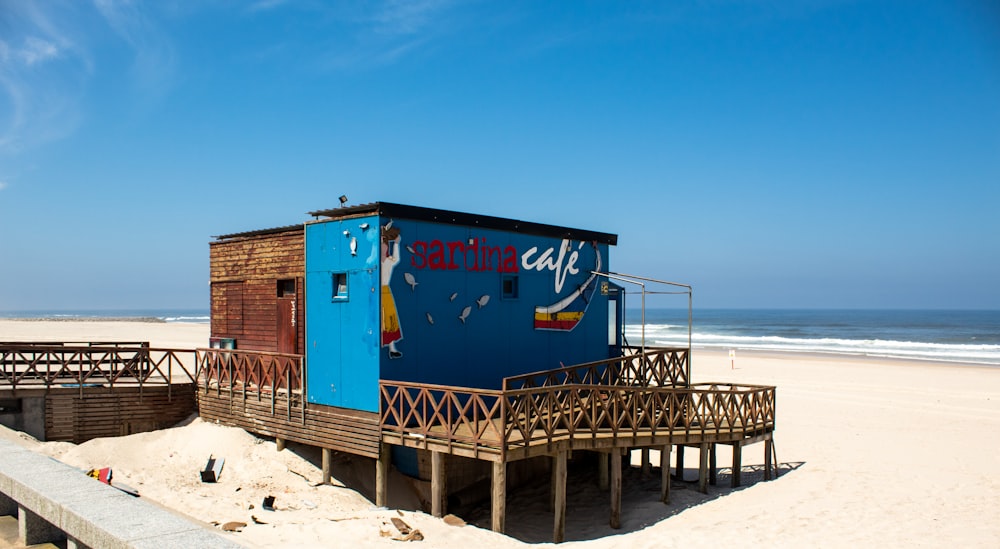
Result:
[456,325]
[496,339]
[342,335]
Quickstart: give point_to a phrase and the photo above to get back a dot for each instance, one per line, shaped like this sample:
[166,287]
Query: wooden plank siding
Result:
[339,429]
[244,274]
[105,412]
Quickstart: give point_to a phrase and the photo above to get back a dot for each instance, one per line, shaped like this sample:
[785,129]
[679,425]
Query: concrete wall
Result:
[29,419]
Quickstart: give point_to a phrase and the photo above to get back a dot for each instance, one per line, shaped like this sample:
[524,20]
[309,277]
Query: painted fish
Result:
[465,314]
[411,281]
[354,246]
[483,300]
[453,296]
[430,319]
[410,249]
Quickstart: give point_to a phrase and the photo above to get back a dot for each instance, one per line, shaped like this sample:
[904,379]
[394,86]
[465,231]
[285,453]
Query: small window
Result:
[340,286]
[509,289]
[286,288]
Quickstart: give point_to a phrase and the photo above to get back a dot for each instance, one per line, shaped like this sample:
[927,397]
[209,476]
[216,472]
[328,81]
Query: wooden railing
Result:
[258,370]
[515,419]
[454,415]
[27,364]
[256,373]
[661,367]
[552,413]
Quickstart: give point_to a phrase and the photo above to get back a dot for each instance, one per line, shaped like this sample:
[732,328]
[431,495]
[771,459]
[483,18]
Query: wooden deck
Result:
[625,403]
[96,389]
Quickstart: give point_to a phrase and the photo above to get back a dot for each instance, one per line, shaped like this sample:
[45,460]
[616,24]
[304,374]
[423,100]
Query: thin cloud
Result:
[379,34]
[3,185]
[37,50]
[155,61]
[265,5]
[41,73]
[398,17]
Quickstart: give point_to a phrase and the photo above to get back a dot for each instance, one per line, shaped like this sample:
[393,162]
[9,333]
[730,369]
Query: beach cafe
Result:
[463,350]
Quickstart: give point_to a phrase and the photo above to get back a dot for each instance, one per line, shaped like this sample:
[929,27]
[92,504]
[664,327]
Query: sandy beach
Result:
[872,452]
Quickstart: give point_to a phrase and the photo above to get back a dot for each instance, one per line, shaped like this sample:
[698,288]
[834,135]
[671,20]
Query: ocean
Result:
[150,315]
[936,335]
[967,336]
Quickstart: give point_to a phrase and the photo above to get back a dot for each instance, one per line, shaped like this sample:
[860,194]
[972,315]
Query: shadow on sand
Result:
[529,512]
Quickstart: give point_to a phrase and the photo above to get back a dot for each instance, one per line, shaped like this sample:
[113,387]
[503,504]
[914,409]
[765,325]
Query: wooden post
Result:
[559,485]
[602,470]
[665,474]
[737,463]
[439,485]
[703,467]
[498,510]
[327,460]
[645,467]
[382,475]
[679,467]
[767,459]
[616,488]
[712,469]
[280,443]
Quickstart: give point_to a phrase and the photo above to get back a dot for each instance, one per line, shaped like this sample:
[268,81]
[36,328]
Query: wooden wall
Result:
[339,429]
[244,273]
[103,412]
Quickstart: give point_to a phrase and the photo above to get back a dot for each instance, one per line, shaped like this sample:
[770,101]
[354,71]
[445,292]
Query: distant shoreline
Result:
[147,319]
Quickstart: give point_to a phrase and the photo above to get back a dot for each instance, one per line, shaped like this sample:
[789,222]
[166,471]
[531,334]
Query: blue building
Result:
[423,295]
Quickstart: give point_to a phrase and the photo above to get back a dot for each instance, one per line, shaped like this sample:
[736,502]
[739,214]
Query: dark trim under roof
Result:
[418,213]
[261,232]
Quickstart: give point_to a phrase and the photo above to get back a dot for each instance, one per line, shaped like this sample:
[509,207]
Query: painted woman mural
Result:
[391,331]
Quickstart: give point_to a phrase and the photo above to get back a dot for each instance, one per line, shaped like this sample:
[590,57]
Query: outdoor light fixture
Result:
[343,200]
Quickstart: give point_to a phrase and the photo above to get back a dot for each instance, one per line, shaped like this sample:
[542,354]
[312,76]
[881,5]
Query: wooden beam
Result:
[712,469]
[498,510]
[616,488]
[679,467]
[703,467]
[737,463]
[767,459]
[602,470]
[665,474]
[382,475]
[439,485]
[559,485]
[645,468]
[279,443]
[327,460]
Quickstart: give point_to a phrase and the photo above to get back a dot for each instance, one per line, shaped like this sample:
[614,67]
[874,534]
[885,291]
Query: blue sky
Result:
[771,154]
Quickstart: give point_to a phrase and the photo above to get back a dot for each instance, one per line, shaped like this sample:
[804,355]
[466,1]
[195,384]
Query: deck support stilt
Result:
[602,470]
[327,460]
[498,508]
[665,474]
[616,488]
[767,459]
[280,444]
[703,467]
[645,468]
[712,465]
[679,468]
[439,485]
[737,463]
[559,486]
[382,475]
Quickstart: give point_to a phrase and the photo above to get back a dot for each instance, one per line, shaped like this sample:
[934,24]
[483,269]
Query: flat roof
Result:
[448,217]
[261,232]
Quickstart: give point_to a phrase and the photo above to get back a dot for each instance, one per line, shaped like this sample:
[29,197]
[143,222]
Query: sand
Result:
[872,452]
